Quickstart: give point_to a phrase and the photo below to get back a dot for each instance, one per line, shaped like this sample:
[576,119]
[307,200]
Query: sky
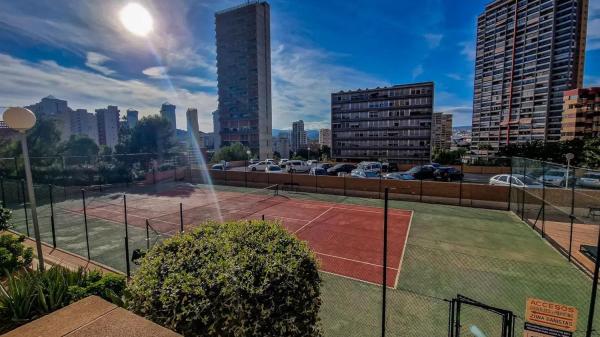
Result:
[79,51]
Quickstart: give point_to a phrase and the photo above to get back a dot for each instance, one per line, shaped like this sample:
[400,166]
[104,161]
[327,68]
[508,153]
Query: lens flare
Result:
[136,19]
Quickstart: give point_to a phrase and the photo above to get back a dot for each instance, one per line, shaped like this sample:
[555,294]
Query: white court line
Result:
[313,220]
[412,213]
[356,261]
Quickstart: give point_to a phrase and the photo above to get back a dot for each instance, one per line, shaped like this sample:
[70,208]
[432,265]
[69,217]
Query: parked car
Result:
[283,161]
[312,162]
[398,176]
[448,173]
[364,174]
[421,172]
[340,168]
[389,167]
[273,169]
[317,171]
[556,178]
[517,180]
[260,166]
[253,161]
[589,180]
[272,161]
[324,166]
[369,166]
[218,167]
[297,166]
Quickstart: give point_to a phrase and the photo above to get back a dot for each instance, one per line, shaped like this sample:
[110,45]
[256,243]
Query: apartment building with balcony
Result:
[581,115]
[390,123]
[528,53]
[244,77]
[441,131]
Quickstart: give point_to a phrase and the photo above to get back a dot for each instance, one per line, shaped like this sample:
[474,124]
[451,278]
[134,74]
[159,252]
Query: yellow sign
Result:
[553,315]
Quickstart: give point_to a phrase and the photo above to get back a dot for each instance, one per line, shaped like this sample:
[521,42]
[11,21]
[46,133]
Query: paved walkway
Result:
[92,316]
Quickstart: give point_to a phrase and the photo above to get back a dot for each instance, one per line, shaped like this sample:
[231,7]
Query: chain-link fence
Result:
[432,255]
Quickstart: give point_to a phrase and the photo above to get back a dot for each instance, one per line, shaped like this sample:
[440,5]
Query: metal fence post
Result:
[462,177]
[181,217]
[3,195]
[154,175]
[421,185]
[571,216]
[384,285]
[87,241]
[510,184]
[543,199]
[128,268]
[590,322]
[246,173]
[25,206]
[147,235]
[523,191]
[52,215]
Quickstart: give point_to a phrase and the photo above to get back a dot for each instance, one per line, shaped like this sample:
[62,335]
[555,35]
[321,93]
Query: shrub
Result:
[13,254]
[5,215]
[233,279]
[29,294]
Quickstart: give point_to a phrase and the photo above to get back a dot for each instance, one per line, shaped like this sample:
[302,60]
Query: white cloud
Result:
[468,50]
[417,71]
[96,61]
[23,80]
[433,40]
[303,80]
[156,72]
[454,76]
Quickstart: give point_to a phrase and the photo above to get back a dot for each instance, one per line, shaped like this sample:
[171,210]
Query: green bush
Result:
[5,215]
[29,294]
[233,279]
[13,254]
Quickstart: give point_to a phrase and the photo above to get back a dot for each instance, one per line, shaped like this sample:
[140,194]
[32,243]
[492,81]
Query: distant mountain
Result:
[462,128]
[311,134]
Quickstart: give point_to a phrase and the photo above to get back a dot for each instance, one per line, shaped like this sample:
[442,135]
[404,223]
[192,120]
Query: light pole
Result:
[569,157]
[21,120]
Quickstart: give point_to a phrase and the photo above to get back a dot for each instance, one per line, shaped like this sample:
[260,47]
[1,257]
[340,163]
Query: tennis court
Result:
[347,239]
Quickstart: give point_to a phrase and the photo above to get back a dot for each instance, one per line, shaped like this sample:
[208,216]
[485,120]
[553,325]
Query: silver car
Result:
[589,180]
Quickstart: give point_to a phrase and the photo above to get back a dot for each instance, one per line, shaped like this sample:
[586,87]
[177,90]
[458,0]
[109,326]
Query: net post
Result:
[153,175]
[385,243]
[25,206]
[52,215]
[147,235]
[181,217]
[127,266]
[263,217]
[3,194]
[87,241]
[421,184]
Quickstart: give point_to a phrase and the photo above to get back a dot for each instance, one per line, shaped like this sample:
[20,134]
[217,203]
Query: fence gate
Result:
[471,318]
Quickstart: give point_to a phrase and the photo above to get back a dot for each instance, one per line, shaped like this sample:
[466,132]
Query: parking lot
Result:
[474,178]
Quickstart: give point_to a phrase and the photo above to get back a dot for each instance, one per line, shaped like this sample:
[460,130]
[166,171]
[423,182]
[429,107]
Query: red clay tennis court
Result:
[348,239]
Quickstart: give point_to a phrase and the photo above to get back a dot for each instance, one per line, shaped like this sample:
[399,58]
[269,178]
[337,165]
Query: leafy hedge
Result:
[13,254]
[30,294]
[233,279]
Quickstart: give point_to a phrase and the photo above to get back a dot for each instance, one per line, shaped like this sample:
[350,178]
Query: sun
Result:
[136,19]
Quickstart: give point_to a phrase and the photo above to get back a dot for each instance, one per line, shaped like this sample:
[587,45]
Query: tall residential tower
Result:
[244,76]
[528,53]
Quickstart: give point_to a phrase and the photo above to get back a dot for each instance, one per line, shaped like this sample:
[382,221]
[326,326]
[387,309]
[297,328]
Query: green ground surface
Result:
[490,256]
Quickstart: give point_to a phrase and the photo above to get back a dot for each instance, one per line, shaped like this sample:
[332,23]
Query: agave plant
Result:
[18,296]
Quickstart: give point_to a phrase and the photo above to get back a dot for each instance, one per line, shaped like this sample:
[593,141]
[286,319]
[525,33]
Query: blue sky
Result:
[79,51]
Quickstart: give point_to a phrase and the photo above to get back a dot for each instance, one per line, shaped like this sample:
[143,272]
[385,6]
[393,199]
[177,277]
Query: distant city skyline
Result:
[67,50]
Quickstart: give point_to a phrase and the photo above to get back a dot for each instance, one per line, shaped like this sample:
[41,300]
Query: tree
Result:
[447,157]
[233,152]
[151,134]
[79,145]
[244,278]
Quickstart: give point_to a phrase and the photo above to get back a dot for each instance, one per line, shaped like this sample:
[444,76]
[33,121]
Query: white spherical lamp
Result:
[19,119]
